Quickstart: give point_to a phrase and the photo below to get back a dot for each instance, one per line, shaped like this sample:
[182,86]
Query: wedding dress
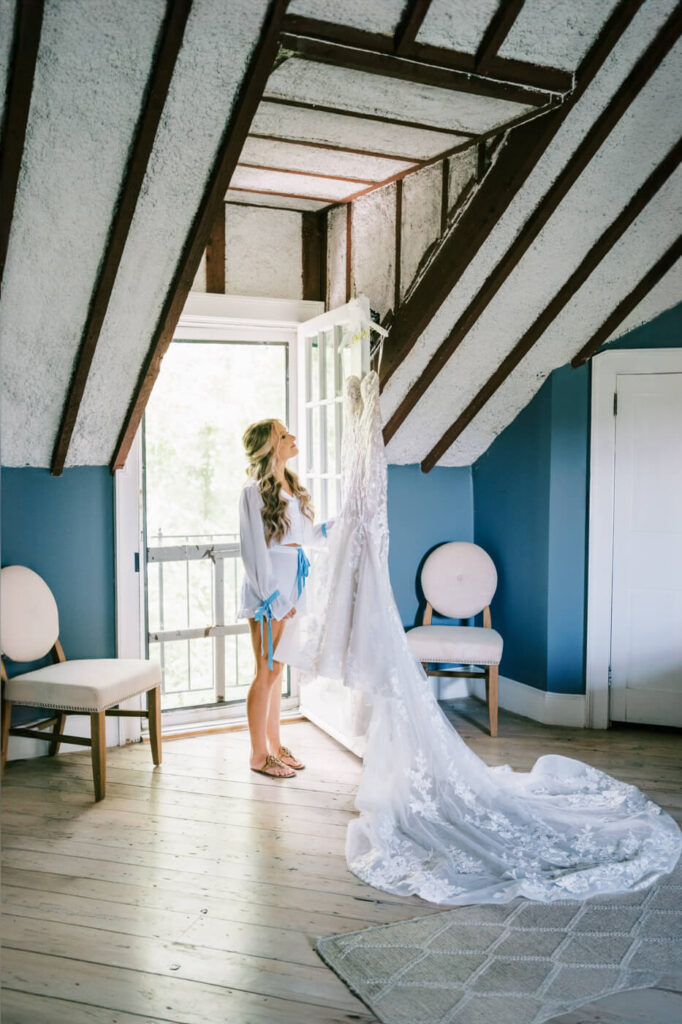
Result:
[434,819]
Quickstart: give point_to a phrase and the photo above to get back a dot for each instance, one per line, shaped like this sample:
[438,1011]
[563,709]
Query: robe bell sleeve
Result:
[317,533]
[255,554]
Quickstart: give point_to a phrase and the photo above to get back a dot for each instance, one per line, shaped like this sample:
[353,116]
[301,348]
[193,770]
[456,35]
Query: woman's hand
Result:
[289,615]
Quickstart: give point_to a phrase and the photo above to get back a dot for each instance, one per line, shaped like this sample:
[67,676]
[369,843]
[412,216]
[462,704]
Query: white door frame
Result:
[605,370]
[205,317]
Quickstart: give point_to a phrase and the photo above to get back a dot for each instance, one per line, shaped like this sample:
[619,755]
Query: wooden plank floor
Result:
[194,892]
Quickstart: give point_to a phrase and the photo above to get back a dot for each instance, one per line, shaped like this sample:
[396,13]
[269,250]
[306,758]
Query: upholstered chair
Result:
[459,580]
[29,630]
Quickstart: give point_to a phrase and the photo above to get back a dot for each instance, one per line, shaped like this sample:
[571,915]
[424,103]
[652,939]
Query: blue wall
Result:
[63,528]
[424,510]
[531,499]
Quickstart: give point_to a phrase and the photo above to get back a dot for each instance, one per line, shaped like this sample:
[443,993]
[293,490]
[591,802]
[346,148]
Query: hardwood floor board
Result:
[207,837]
[304,978]
[257,808]
[367,904]
[26,1008]
[262,860]
[316,822]
[129,908]
[178,1000]
[284,791]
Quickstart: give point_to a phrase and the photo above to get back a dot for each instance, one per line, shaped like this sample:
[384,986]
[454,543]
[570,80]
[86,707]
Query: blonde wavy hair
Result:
[261,445]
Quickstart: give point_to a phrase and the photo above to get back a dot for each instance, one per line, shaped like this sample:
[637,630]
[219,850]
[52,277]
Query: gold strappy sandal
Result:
[274,762]
[285,752]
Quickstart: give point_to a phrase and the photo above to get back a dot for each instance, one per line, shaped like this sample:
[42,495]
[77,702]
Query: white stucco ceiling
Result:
[638,142]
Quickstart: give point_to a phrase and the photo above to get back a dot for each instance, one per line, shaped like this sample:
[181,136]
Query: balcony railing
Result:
[194,586]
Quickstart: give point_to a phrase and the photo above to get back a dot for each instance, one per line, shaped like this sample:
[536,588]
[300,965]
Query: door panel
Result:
[646,618]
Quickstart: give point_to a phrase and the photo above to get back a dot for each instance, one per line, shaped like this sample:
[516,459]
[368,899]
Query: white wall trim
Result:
[129,541]
[605,369]
[213,317]
[567,709]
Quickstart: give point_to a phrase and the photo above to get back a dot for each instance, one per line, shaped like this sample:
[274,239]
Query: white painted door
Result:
[331,347]
[646,614]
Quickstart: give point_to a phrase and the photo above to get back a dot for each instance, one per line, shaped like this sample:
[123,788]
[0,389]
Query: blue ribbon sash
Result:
[264,614]
[302,570]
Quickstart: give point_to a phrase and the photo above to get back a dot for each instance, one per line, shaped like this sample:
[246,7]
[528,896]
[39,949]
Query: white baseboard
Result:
[549,708]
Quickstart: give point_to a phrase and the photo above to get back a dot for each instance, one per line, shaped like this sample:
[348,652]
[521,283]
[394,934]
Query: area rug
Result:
[521,963]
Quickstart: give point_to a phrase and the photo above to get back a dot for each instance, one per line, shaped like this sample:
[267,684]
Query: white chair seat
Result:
[86,684]
[457,645]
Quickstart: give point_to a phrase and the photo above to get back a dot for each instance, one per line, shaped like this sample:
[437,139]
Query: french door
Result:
[331,347]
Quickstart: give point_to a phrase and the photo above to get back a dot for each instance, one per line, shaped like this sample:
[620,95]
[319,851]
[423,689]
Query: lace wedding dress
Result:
[434,818]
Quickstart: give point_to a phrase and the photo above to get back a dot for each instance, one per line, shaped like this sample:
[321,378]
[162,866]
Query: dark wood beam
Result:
[516,158]
[404,122]
[410,23]
[314,246]
[566,293]
[353,58]
[310,174]
[167,49]
[288,195]
[27,24]
[349,252]
[215,256]
[288,140]
[444,195]
[236,130]
[534,76]
[496,33]
[398,242]
[630,302]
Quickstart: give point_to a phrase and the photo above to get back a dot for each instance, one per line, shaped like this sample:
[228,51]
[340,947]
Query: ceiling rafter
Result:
[27,25]
[591,261]
[168,47]
[308,174]
[353,58]
[533,76]
[236,130]
[517,157]
[410,23]
[331,200]
[660,268]
[288,140]
[404,122]
[496,33]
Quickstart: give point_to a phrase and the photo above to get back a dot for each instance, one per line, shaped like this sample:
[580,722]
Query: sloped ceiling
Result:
[93,64]
[360,95]
[647,131]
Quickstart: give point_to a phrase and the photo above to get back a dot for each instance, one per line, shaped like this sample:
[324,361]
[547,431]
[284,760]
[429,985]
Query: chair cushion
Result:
[87,684]
[458,645]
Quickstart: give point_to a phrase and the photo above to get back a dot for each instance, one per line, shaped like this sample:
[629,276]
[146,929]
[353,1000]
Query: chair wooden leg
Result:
[491,688]
[154,709]
[57,729]
[6,720]
[98,732]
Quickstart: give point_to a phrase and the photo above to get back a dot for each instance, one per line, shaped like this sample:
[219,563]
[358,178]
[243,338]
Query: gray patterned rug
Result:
[521,963]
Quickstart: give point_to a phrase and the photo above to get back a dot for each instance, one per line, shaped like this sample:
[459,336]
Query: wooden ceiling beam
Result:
[288,140]
[496,33]
[27,25]
[410,23]
[215,255]
[532,76]
[167,49]
[666,262]
[236,129]
[518,156]
[403,122]
[288,195]
[388,65]
[309,174]
[575,281]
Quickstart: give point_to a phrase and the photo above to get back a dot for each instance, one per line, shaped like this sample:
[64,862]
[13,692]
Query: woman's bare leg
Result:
[274,711]
[258,698]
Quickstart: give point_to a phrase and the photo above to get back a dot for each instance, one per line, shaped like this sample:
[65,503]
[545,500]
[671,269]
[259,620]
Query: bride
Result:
[434,819]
